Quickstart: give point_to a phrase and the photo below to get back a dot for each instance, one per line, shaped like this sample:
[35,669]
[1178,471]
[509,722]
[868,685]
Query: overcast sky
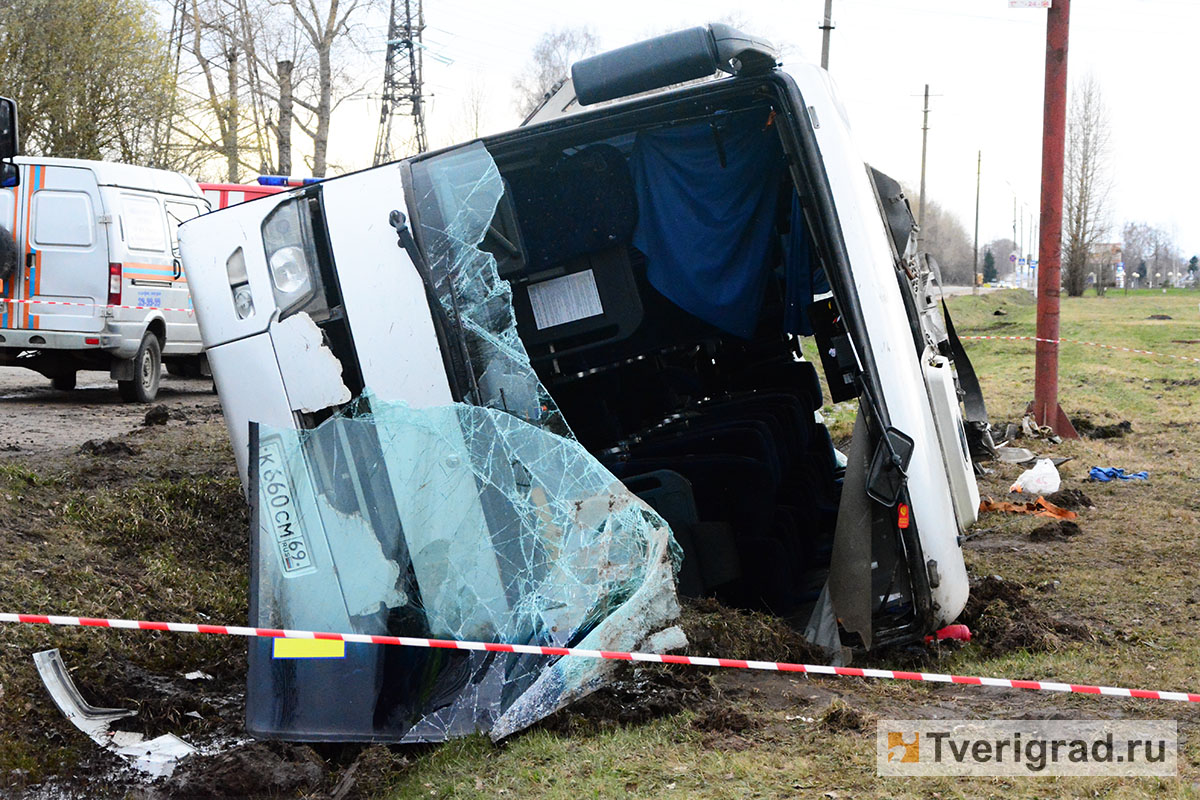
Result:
[983,61]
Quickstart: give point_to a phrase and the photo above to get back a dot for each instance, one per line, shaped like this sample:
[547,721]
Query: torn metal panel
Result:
[154,757]
[311,373]
[457,522]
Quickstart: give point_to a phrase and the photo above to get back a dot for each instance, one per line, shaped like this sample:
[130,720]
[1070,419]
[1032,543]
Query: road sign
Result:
[1013,258]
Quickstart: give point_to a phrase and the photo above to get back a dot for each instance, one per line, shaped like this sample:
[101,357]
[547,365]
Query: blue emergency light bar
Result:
[283,180]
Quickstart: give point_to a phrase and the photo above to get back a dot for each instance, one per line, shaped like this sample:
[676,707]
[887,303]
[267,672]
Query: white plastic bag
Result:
[1043,478]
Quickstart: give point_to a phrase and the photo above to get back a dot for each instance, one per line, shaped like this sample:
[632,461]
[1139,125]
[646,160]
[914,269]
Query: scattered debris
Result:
[1070,499]
[198,675]
[1106,474]
[160,414]
[108,447]
[156,757]
[1043,478]
[1015,455]
[956,633]
[1060,530]
[1004,618]
[1039,508]
[1185,341]
[1031,430]
[999,312]
[1160,316]
[1048,587]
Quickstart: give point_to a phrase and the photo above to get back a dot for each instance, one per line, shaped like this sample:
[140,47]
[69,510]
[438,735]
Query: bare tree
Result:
[550,63]
[1086,184]
[945,238]
[323,28]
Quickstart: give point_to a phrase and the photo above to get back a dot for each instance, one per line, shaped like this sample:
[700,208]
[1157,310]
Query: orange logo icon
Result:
[906,752]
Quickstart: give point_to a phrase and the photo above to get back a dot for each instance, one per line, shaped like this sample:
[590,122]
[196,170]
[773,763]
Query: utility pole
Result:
[978,175]
[924,142]
[1046,409]
[825,29]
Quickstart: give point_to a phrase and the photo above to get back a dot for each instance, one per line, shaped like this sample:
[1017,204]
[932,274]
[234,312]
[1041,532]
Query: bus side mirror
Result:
[9,145]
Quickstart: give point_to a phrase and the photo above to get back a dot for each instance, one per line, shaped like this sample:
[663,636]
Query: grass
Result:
[132,537]
[161,534]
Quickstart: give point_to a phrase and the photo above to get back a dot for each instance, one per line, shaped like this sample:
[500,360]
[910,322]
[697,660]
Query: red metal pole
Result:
[1054,130]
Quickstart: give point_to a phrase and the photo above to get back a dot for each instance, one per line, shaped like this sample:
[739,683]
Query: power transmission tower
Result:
[402,79]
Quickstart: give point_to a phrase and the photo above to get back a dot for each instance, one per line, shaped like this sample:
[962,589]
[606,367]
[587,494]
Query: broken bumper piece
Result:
[154,758]
[455,522]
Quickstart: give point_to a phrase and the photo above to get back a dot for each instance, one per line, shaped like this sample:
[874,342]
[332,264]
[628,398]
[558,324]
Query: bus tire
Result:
[147,371]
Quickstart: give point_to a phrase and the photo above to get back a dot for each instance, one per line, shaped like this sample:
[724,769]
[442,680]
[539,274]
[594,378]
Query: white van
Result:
[98,283]
[630,281]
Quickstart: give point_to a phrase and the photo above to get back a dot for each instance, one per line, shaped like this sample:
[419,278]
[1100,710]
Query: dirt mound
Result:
[160,414]
[108,447]
[1061,530]
[1160,316]
[251,770]
[716,630]
[1070,499]
[636,695]
[722,719]
[1091,430]
[842,717]
[1003,618]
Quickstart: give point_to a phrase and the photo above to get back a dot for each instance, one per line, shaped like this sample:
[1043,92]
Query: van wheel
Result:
[64,383]
[147,369]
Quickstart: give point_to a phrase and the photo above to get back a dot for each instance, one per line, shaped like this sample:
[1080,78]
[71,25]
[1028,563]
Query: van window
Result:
[62,219]
[142,223]
[177,214]
[8,211]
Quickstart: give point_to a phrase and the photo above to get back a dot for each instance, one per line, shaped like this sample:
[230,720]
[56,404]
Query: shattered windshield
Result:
[483,521]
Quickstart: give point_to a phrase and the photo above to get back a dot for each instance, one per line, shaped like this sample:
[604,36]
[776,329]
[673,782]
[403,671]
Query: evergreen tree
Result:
[989,267]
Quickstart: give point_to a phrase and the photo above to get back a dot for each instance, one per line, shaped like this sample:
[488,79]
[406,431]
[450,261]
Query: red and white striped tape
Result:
[537,650]
[1080,341]
[87,305]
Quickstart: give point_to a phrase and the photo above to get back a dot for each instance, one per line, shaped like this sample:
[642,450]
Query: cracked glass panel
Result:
[456,522]
[479,521]
[457,194]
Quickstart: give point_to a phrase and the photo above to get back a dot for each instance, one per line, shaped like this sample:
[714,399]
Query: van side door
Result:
[147,275]
[12,206]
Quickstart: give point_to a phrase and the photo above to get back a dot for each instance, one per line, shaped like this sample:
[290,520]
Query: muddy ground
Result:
[38,419]
[147,522]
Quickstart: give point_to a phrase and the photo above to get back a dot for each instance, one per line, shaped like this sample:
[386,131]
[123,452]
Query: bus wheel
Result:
[147,369]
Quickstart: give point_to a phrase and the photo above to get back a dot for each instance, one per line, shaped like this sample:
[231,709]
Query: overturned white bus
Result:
[470,392]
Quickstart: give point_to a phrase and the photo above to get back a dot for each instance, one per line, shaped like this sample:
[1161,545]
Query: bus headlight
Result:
[291,255]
